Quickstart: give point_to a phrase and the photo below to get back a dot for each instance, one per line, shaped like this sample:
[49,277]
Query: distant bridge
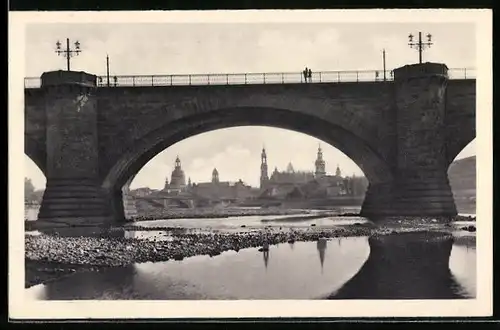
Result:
[184,200]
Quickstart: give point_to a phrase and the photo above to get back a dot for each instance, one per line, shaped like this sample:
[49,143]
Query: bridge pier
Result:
[420,186]
[128,201]
[73,195]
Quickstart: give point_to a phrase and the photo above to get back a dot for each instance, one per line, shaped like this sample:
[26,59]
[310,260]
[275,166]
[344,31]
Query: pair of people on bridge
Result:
[307,74]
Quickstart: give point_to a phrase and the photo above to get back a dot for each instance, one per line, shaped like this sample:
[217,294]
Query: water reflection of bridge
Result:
[405,266]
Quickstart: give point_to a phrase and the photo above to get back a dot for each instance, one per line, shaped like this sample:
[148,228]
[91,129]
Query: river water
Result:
[242,224]
[400,266]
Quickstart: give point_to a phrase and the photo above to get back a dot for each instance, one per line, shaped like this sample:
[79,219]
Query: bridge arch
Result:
[33,169]
[34,192]
[144,149]
[468,150]
[462,178]
[455,147]
[36,153]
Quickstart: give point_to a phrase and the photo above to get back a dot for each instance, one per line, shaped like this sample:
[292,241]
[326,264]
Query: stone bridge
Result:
[89,142]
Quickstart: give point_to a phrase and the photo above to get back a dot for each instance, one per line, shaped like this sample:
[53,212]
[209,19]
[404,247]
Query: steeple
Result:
[165,187]
[177,162]
[337,171]
[290,168]
[215,176]
[189,182]
[264,178]
[319,164]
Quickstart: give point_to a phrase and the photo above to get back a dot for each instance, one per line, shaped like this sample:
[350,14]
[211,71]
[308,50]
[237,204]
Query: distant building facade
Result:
[305,184]
[287,184]
[142,192]
[216,190]
[212,191]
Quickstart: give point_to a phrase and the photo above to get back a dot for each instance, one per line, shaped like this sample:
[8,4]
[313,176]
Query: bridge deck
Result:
[251,78]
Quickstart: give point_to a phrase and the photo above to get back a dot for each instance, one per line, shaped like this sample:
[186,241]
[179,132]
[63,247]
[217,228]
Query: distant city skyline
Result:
[175,48]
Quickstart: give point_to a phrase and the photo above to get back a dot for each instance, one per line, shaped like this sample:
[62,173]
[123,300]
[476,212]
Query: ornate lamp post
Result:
[420,46]
[383,59]
[107,68]
[68,53]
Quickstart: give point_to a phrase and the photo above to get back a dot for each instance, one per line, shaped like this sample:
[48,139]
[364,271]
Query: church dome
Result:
[178,178]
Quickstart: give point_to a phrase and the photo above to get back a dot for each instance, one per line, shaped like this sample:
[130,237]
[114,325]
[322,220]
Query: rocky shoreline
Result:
[49,257]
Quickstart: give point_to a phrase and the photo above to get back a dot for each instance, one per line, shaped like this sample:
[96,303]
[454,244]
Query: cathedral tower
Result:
[319,164]
[215,176]
[263,169]
[337,171]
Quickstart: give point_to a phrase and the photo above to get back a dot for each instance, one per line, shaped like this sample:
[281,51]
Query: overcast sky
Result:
[232,48]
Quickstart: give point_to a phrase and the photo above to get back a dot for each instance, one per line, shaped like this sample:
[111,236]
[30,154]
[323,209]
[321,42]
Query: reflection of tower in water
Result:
[266,258]
[321,245]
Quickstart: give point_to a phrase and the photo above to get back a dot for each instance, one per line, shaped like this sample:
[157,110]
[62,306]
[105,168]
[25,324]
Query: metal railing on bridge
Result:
[251,78]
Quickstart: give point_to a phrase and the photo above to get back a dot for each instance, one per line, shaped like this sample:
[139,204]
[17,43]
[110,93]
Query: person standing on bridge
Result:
[309,75]
[305,72]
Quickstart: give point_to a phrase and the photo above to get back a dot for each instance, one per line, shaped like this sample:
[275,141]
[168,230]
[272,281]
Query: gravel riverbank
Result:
[118,251]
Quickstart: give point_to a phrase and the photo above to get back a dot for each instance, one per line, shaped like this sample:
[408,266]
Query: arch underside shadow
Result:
[145,148]
[455,148]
